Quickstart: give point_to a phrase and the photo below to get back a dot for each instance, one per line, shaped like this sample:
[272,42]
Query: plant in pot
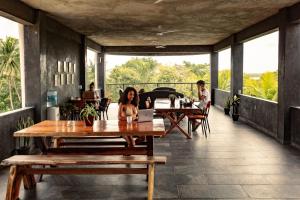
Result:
[23,143]
[66,110]
[235,108]
[227,106]
[172,98]
[88,114]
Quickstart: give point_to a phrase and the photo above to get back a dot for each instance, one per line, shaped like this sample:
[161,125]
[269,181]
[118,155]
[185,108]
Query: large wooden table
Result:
[105,128]
[163,107]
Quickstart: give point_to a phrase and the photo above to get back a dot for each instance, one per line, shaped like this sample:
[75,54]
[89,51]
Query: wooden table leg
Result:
[14,183]
[28,180]
[176,124]
[149,141]
[150,181]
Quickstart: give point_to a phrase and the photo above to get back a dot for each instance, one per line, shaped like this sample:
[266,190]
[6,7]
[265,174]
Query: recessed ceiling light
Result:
[160,46]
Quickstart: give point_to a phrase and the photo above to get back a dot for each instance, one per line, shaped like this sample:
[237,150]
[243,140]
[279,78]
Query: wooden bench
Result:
[21,168]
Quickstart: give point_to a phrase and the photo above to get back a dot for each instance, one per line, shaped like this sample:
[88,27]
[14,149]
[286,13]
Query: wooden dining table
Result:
[163,107]
[100,129]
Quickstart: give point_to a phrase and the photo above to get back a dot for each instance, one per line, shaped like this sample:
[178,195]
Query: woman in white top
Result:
[128,107]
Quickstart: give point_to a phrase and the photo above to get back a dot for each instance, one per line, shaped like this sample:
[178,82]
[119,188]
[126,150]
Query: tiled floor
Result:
[233,162]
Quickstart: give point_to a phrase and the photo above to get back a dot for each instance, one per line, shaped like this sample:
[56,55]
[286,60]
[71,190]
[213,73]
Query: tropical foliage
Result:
[137,71]
[263,85]
[224,79]
[90,74]
[10,78]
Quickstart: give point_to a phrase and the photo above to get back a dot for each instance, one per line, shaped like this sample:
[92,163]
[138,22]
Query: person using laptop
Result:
[128,107]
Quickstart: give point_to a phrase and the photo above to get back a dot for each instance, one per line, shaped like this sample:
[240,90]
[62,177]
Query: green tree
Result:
[263,85]
[90,73]
[10,74]
[147,70]
[224,79]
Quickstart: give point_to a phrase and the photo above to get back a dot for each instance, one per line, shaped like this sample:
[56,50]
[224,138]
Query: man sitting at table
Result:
[203,94]
[204,98]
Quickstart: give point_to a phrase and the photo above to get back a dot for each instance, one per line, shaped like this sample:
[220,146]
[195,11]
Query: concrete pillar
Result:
[35,72]
[236,67]
[82,64]
[289,70]
[101,70]
[213,75]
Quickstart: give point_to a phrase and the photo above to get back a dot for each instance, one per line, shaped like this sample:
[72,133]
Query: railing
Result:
[188,89]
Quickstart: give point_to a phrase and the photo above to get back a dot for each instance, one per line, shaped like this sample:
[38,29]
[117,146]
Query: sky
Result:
[8,28]
[260,54]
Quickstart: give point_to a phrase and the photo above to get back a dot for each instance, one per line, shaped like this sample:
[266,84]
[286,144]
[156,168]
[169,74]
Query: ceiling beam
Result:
[153,50]
[17,11]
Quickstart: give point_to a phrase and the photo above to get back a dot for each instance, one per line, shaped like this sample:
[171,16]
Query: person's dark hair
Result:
[124,99]
[200,82]
[92,84]
[141,91]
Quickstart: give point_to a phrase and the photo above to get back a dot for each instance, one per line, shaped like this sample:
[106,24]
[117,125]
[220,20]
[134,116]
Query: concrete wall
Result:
[260,114]
[295,126]
[8,127]
[220,97]
[62,49]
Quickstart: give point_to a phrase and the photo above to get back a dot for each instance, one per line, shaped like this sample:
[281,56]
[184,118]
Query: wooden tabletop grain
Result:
[100,128]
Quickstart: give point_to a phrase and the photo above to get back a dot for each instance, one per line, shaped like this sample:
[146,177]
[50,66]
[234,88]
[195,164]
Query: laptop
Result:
[145,115]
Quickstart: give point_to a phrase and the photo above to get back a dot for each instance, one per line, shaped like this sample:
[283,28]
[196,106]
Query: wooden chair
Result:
[23,167]
[203,117]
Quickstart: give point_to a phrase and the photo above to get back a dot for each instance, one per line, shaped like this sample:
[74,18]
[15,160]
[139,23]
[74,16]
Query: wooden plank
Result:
[98,151]
[150,181]
[14,183]
[81,171]
[101,128]
[80,160]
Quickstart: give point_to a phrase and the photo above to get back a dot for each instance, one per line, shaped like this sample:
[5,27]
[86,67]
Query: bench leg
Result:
[150,181]
[14,182]
[29,180]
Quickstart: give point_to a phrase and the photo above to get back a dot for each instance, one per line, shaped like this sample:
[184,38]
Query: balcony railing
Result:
[188,89]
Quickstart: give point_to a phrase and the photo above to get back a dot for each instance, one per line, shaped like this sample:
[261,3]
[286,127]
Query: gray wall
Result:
[220,97]
[62,49]
[8,127]
[260,114]
[295,126]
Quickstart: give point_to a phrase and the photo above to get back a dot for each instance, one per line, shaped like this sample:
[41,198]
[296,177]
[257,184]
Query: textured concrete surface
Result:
[8,127]
[233,162]
[165,22]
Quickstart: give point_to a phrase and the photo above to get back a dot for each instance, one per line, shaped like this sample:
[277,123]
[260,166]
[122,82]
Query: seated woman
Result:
[91,93]
[128,107]
[91,96]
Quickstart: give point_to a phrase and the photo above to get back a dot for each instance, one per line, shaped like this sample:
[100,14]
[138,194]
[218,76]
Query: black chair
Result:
[165,88]
[103,107]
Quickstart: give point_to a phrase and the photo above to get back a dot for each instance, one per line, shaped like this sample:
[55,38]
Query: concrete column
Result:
[213,75]
[101,70]
[236,67]
[35,72]
[82,64]
[289,70]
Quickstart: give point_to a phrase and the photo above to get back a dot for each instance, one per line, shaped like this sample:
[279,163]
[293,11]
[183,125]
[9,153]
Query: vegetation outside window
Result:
[149,72]
[10,73]
[224,66]
[261,67]
[91,70]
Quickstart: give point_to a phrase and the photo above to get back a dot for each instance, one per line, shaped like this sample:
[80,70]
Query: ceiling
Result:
[159,22]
